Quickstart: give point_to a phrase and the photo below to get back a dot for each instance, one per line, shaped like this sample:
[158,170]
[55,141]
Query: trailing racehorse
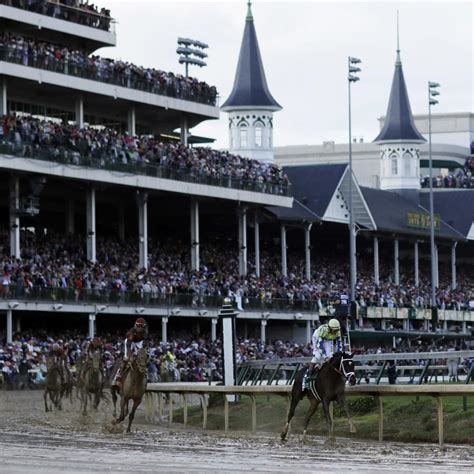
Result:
[133,387]
[53,385]
[328,387]
[92,382]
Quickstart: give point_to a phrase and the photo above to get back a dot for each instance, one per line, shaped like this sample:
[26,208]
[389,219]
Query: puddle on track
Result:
[32,441]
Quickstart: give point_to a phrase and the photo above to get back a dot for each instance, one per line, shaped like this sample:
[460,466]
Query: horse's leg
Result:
[113,392]
[314,403]
[291,413]
[122,408]
[341,400]
[329,420]
[85,398]
[97,399]
[45,396]
[136,402]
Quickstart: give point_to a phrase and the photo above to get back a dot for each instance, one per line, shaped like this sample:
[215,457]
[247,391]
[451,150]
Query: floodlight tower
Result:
[191,52]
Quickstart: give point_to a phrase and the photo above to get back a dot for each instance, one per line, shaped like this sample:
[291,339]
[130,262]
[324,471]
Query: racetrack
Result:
[32,441]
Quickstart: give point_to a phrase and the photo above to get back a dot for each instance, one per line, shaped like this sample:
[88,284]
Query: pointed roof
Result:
[399,124]
[250,86]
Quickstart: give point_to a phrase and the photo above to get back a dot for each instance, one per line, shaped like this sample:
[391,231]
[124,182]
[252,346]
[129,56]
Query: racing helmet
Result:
[140,323]
[334,324]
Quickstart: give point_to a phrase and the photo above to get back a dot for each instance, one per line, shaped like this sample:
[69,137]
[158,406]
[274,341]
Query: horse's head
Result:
[141,360]
[344,364]
[96,359]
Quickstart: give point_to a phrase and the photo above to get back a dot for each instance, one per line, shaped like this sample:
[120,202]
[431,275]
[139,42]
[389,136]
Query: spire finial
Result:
[399,61]
[249,11]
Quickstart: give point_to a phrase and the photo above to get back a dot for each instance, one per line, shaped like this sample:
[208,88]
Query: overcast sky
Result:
[304,46]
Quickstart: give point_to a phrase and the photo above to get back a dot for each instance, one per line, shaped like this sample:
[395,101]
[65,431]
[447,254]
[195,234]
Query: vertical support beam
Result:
[396,261]
[92,325]
[380,406]
[142,202]
[79,111]
[185,409]
[417,264]
[464,327]
[263,327]
[307,250]
[226,414]
[440,421]
[164,327]
[257,244]
[204,411]
[376,262]
[91,230]
[284,266]
[308,331]
[15,250]
[213,329]
[195,263]
[18,323]
[121,224]
[131,121]
[9,326]
[242,218]
[436,265]
[254,413]
[170,409]
[453,265]
[184,130]
[70,222]
[3,97]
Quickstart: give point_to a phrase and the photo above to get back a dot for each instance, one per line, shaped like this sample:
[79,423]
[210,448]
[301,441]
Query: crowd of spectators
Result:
[28,136]
[77,11]
[58,58]
[59,263]
[459,178]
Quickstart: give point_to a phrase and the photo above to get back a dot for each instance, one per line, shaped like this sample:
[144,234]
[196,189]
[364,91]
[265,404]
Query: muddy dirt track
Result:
[32,441]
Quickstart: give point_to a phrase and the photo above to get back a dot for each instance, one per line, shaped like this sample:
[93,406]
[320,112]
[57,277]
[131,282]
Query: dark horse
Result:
[133,387]
[329,387]
[92,382]
[53,386]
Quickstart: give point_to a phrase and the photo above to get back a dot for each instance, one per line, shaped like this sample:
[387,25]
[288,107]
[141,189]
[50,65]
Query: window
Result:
[407,166]
[258,137]
[243,137]
[394,166]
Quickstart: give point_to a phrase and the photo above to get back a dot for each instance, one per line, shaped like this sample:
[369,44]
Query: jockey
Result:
[93,346]
[58,353]
[169,360]
[325,339]
[135,340]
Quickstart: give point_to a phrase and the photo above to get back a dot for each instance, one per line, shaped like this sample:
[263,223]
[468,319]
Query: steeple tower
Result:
[399,138]
[250,104]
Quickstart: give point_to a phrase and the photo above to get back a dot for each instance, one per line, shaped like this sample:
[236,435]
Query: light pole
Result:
[351,77]
[191,52]
[432,93]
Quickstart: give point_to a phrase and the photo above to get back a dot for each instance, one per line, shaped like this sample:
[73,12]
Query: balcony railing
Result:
[85,70]
[103,161]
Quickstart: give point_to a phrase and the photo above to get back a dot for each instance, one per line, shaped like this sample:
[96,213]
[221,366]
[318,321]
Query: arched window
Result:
[394,166]
[243,137]
[259,137]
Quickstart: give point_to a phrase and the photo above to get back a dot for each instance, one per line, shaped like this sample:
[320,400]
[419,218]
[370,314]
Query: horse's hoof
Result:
[283,437]
[353,429]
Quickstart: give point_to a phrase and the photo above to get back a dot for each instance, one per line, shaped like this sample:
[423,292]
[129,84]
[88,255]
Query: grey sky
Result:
[304,46]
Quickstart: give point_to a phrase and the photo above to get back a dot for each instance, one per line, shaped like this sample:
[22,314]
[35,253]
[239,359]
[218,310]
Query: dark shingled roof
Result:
[456,208]
[250,86]
[389,211]
[399,124]
[297,213]
[314,185]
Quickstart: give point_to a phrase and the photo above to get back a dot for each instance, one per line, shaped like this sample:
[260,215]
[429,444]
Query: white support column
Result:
[92,325]
[242,218]
[121,224]
[164,329]
[213,329]
[464,327]
[383,324]
[91,231]
[131,121]
[142,203]
[417,264]
[79,111]
[396,261]
[284,267]
[406,325]
[9,326]
[70,223]
[436,265]
[14,218]
[453,265]
[307,250]
[184,130]
[257,244]
[195,263]
[3,97]
[376,262]
[308,331]
[263,327]
[445,325]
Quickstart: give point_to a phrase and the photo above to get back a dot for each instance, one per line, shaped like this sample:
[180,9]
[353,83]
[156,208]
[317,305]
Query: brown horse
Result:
[53,386]
[329,386]
[133,387]
[92,382]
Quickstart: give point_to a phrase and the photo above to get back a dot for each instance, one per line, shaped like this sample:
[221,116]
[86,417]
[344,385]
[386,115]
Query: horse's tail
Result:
[297,388]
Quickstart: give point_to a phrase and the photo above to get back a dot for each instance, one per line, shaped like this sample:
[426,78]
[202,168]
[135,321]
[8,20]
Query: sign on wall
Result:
[420,220]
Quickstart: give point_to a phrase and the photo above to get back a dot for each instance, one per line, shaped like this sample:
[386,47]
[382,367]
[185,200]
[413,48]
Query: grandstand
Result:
[105,216]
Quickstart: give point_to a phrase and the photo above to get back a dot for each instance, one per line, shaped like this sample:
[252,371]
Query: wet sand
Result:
[32,441]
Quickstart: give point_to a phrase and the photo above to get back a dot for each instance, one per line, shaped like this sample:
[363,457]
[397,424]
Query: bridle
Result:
[342,370]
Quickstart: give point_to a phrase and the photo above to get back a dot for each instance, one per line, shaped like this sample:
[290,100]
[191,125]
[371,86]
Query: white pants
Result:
[134,346]
[325,353]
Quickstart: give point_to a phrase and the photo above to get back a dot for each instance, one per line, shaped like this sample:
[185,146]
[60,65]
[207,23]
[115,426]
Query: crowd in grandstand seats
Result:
[59,262]
[460,178]
[76,11]
[58,58]
[29,136]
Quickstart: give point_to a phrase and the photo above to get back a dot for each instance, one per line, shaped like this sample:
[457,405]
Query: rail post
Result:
[440,421]
[226,414]
[204,411]
[184,401]
[170,408]
[254,413]
[380,407]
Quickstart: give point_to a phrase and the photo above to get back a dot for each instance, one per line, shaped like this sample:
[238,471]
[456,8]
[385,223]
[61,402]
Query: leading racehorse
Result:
[53,386]
[133,387]
[92,381]
[329,387]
